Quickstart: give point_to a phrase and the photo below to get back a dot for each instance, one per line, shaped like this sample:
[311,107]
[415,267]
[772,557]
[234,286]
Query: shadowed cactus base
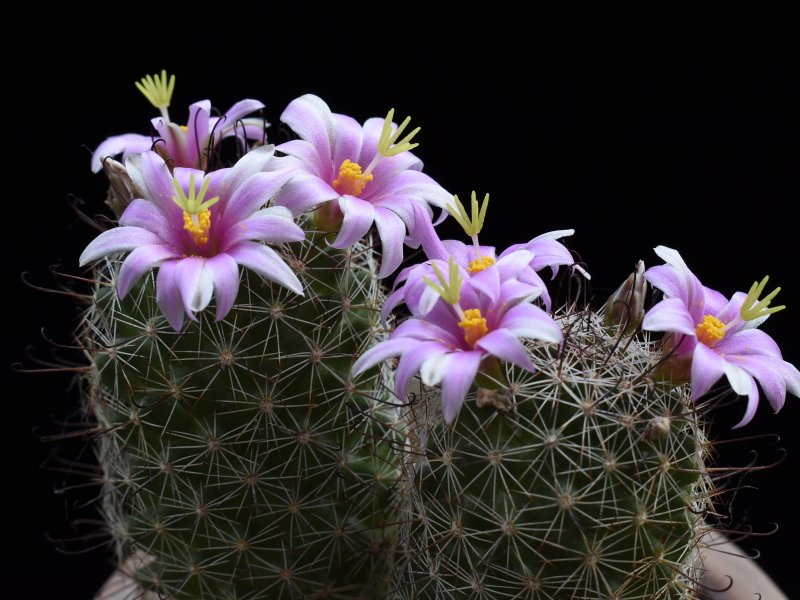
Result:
[582,481]
[236,456]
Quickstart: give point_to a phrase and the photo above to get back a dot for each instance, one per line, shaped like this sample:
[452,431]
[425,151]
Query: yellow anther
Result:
[753,309]
[157,89]
[351,181]
[472,224]
[479,264]
[710,331]
[198,225]
[474,326]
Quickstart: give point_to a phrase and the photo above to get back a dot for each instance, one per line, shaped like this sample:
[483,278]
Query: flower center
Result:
[198,225]
[351,181]
[474,326]
[479,264]
[710,331]
[196,213]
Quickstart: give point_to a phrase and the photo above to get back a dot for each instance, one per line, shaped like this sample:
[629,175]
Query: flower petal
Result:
[118,239]
[224,272]
[424,233]
[748,341]
[752,405]
[256,161]
[273,225]
[677,281]
[529,321]
[125,144]
[312,120]
[253,194]
[460,370]
[152,179]
[506,346]
[391,231]
[487,282]
[358,218]
[303,192]
[168,294]
[197,132]
[347,140]
[267,263]
[411,361]
[195,284]
[380,352]
[138,262]
[172,143]
[239,110]
[708,367]
[148,215]
[670,314]
[305,157]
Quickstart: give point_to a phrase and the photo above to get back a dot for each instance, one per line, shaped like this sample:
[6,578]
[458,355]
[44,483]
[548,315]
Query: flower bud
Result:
[121,189]
[625,307]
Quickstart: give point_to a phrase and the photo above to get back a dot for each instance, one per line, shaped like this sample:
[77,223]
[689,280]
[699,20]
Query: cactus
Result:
[243,456]
[584,480]
[237,458]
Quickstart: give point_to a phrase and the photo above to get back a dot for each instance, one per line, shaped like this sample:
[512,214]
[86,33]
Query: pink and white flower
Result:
[183,145]
[716,336]
[197,228]
[450,343]
[356,175]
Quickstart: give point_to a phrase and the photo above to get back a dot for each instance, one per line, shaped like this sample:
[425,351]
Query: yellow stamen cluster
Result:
[474,326]
[479,264]
[752,308]
[449,290]
[198,225]
[710,331]
[388,144]
[351,181]
[472,224]
[196,213]
[157,89]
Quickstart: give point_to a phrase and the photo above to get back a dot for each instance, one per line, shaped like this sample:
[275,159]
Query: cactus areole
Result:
[271,430]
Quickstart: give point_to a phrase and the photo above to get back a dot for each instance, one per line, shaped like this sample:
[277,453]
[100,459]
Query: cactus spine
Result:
[583,481]
[238,460]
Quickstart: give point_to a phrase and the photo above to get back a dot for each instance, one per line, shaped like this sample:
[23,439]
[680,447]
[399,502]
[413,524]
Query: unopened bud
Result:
[121,190]
[625,307]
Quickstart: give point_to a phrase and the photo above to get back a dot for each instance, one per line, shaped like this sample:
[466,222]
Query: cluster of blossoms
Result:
[470,307]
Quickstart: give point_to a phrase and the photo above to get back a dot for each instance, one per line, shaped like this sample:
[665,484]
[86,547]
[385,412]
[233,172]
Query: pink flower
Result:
[197,229]
[719,336]
[183,145]
[360,174]
[449,343]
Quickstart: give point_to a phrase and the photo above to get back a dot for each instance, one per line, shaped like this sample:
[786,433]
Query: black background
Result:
[641,129]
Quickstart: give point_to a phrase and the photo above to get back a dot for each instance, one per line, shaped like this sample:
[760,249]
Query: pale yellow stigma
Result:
[753,309]
[388,144]
[196,213]
[710,331]
[351,181]
[450,290]
[472,224]
[158,90]
[198,225]
[474,326]
[479,264]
